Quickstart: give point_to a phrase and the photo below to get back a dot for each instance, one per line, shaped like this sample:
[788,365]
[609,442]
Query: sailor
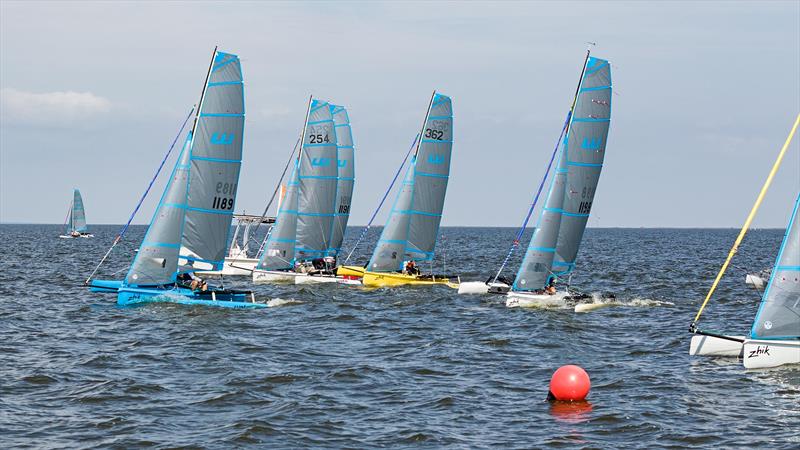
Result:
[551,286]
[411,268]
[193,282]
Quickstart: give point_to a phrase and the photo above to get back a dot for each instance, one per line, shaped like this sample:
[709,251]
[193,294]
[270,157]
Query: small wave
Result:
[275,302]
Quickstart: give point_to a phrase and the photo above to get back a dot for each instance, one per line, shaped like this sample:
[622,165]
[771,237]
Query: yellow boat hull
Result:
[350,271]
[387,279]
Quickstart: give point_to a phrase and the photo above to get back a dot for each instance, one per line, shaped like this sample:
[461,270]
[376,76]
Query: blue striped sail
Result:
[778,314]
[192,220]
[562,222]
[77,216]
[413,224]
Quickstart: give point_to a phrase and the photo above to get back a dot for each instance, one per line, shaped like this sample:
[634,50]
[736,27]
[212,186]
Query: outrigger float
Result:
[774,339]
[312,217]
[562,221]
[190,227]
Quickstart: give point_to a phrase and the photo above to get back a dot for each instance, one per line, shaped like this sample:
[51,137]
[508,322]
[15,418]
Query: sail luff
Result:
[778,315]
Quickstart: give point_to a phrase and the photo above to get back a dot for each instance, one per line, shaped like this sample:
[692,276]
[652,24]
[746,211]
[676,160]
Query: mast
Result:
[203,92]
[424,123]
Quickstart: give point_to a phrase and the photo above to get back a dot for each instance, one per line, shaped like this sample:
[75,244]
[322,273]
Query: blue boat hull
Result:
[131,295]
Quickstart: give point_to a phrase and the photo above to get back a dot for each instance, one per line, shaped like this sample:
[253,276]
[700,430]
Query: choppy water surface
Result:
[408,367]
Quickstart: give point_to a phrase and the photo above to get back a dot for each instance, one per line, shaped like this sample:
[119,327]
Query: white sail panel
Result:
[345,178]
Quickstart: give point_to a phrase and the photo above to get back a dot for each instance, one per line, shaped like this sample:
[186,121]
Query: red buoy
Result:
[570,383]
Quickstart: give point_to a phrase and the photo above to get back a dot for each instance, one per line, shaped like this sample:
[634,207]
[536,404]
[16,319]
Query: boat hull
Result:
[390,279]
[323,279]
[350,271]
[130,296]
[764,353]
[713,346]
[273,276]
[479,287]
[531,300]
[233,267]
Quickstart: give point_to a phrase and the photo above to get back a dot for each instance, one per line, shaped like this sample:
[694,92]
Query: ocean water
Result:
[343,367]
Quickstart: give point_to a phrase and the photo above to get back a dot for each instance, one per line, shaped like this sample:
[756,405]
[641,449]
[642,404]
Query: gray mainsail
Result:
[215,160]
[78,216]
[555,243]
[279,249]
[156,263]
[778,315]
[345,179]
[413,225]
[318,173]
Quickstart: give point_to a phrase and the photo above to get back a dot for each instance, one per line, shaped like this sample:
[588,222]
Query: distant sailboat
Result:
[412,228]
[774,338]
[191,224]
[76,219]
[312,217]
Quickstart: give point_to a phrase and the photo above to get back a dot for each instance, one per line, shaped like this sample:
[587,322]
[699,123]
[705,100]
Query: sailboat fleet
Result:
[190,231]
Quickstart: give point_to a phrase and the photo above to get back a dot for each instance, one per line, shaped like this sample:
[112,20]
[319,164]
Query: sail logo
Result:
[342,162]
[320,162]
[222,138]
[760,350]
[591,143]
[436,159]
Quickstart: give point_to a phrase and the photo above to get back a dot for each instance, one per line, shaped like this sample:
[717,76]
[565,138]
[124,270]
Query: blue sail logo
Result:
[342,163]
[321,162]
[591,143]
[436,159]
[222,138]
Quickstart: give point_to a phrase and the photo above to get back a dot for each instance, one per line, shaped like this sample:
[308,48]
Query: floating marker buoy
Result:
[569,383]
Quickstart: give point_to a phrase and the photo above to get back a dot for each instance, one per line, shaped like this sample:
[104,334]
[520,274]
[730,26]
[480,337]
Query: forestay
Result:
[77,215]
[778,316]
[215,159]
[559,231]
[413,225]
[345,179]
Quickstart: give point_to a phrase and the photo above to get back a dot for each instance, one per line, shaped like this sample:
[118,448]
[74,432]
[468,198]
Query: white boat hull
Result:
[714,346]
[273,276]
[320,279]
[473,287]
[233,267]
[755,281]
[763,353]
[530,300]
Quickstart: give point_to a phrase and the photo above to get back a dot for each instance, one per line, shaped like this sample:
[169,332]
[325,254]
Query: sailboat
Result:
[76,219]
[774,338]
[553,248]
[238,261]
[189,230]
[410,234]
[312,217]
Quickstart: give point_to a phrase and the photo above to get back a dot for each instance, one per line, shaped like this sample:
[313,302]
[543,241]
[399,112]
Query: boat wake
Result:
[598,302]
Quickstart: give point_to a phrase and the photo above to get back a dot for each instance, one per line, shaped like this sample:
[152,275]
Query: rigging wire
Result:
[746,226]
[144,195]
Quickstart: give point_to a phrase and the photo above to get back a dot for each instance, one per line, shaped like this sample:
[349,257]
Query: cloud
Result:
[22,106]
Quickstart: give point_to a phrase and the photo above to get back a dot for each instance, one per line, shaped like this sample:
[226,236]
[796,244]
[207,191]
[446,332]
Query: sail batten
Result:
[778,314]
[562,221]
[413,224]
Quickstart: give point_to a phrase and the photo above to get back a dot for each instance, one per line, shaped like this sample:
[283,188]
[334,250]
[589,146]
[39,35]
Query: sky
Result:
[705,93]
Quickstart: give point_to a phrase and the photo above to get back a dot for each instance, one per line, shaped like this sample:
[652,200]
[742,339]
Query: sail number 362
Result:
[434,134]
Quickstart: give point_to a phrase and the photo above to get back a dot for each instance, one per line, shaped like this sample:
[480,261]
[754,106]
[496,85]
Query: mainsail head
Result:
[778,315]
[559,231]
[413,225]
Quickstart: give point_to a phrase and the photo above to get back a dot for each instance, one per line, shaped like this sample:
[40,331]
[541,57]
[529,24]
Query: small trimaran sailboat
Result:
[562,221]
[774,338]
[76,219]
[412,228]
[189,230]
[313,215]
